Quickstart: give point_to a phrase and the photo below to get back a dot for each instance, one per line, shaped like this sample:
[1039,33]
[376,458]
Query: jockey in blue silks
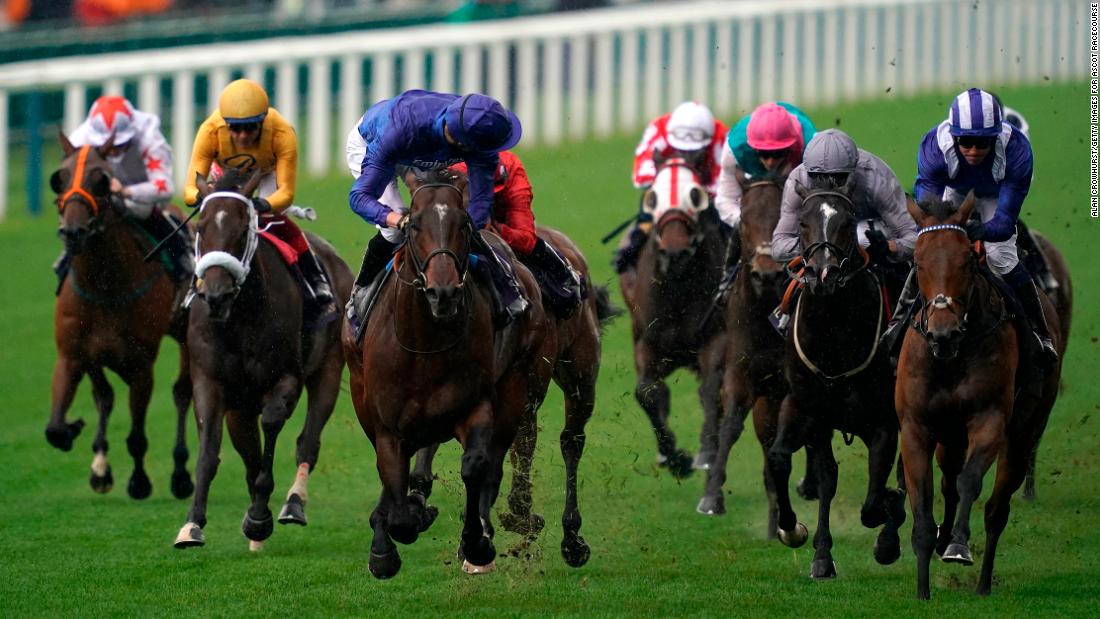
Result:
[973,150]
[428,130]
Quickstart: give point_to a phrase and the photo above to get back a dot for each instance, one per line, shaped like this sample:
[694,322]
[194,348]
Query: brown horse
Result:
[432,367]
[670,296]
[112,312]
[254,344]
[959,392]
[839,380]
[753,375]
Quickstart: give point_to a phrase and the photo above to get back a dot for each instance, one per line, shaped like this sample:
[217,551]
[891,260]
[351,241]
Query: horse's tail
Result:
[606,311]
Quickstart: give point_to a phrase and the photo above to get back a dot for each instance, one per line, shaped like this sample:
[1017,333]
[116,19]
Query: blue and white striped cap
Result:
[975,112]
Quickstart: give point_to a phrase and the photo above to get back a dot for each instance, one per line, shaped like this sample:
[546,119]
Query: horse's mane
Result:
[444,176]
[232,179]
[940,209]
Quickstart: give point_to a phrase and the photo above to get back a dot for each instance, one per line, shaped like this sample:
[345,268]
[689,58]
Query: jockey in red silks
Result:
[690,132]
[514,221]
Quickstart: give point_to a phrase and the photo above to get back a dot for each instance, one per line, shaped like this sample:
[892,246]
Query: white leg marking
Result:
[100,464]
[300,481]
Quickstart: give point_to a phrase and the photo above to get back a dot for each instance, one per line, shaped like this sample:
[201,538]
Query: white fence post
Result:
[578,87]
[471,70]
[552,54]
[604,79]
[286,91]
[149,94]
[319,115]
[3,155]
[183,122]
[651,90]
[351,99]
[768,52]
[217,79]
[76,105]
[723,68]
[628,84]
[700,62]
[498,72]
[527,89]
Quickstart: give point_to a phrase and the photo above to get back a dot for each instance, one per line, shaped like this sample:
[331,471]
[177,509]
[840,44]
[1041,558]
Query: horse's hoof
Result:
[957,553]
[254,546]
[384,566]
[62,437]
[182,486]
[431,512]
[712,505]
[823,569]
[679,464]
[575,552]
[703,460]
[527,526]
[139,487]
[257,530]
[102,484]
[794,538]
[887,547]
[190,536]
[807,489]
[482,553]
[895,504]
[476,570]
[293,512]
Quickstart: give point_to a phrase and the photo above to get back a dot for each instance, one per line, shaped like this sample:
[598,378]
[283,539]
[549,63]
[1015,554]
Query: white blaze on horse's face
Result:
[219,219]
[441,210]
[673,187]
[827,213]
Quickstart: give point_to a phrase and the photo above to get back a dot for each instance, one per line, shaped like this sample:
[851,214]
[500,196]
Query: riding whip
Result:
[160,245]
[619,228]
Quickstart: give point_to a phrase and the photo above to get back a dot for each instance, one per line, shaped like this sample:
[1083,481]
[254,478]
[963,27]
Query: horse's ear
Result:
[914,210]
[800,189]
[967,207]
[107,146]
[846,188]
[411,180]
[252,184]
[649,200]
[55,182]
[741,176]
[66,146]
[203,187]
[101,186]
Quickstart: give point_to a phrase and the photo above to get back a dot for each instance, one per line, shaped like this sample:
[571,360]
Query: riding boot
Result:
[1034,259]
[371,276]
[504,280]
[732,263]
[627,254]
[176,247]
[1028,294]
[904,310]
[315,277]
[560,284]
[61,268]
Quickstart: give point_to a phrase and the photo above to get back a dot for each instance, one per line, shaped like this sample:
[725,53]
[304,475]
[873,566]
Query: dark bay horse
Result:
[839,379]
[670,298]
[959,392]
[112,312]
[753,373]
[254,345]
[432,367]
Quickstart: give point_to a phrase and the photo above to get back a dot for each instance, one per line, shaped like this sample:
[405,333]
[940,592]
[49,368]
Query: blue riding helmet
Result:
[481,124]
[975,113]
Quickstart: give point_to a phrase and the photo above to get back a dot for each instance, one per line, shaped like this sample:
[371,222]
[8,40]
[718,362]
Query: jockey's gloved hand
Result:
[403,222]
[261,205]
[878,247]
[975,230]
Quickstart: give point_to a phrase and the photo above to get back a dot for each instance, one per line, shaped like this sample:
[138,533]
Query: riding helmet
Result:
[831,152]
[243,101]
[480,123]
[975,113]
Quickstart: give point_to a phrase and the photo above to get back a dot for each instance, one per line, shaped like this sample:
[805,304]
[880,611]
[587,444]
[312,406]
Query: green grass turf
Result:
[67,551]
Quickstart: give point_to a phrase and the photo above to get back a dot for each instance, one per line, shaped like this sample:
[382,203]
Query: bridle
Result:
[850,253]
[420,265]
[237,267]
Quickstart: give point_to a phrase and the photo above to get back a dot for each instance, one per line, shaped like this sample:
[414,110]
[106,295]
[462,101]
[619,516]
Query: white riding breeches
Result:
[355,150]
[1001,256]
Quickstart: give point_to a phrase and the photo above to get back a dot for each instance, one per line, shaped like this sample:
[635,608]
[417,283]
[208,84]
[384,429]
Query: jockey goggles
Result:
[245,127]
[973,141]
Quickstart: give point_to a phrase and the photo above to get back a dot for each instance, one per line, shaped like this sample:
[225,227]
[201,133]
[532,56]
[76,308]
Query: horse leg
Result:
[789,437]
[710,385]
[713,503]
[244,432]
[321,392]
[1013,468]
[278,404]
[807,486]
[823,567]
[422,478]
[1029,479]
[765,413]
[652,394]
[209,410]
[519,519]
[67,373]
[986,438]
[882,506]
[579,403]
[182,486]
[951,462]
[141,391]
[476,435]
[392,516]
[101,478]
[916,449]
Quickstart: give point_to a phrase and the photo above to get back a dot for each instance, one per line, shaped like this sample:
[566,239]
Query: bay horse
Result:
[670,296]
[112,312]
[753,369]
[959,392]
[839,379]
[254,345]
[432,367]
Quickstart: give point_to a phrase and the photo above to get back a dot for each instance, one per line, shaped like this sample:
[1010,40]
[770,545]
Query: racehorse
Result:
[432,367]
[112,312]
[753,369]
[838,377]
[254,344]
[670,297]
[576,368]
[960,391]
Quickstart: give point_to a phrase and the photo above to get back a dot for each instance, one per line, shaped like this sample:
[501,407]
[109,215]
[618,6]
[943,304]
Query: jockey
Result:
[247,134]
[832,161]
[765,144]
[689,132]
[973,150]
[514,221]
[141,168]
[429,130]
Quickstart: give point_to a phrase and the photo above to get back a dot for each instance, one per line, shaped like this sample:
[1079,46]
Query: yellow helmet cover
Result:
[243,101]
